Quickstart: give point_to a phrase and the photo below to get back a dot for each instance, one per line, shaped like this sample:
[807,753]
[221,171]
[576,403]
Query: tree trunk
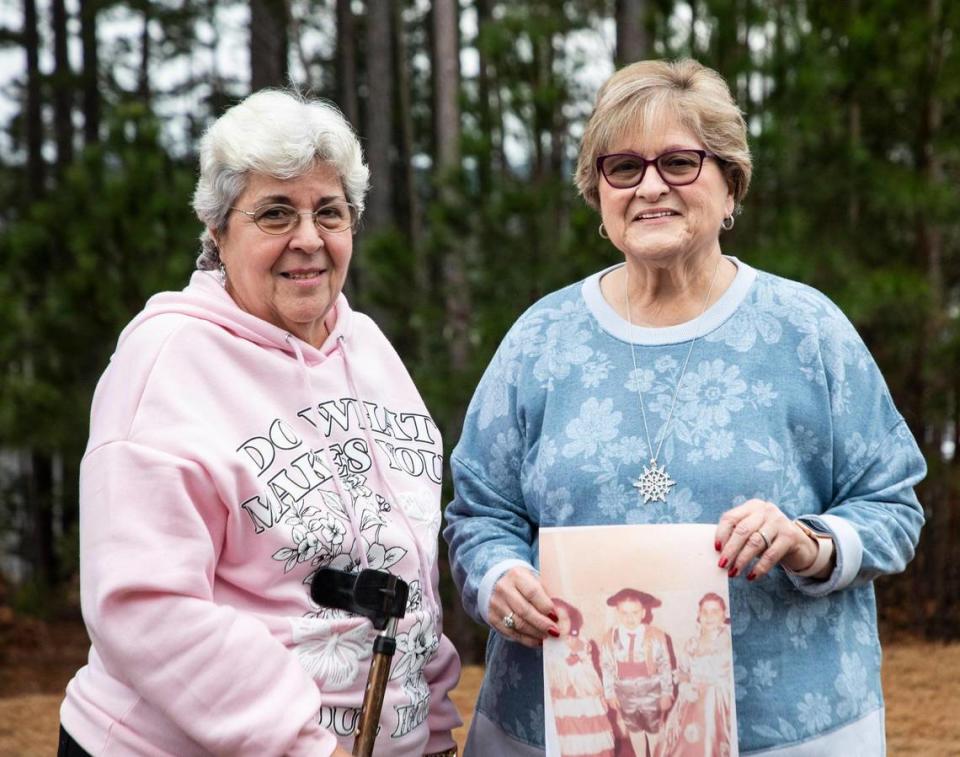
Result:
[632,41]
[413,215]
[40,500]
[295,31]
[484,109]
[929,233]
[219,99]
[379,113]
[347,63]
[446,89]
[450,244]
[62,88]
[446,83]
[269,43]
[692,45]
[91,65]
[447,133]
[143,82]
[854,120]
[32,112]
[929,585]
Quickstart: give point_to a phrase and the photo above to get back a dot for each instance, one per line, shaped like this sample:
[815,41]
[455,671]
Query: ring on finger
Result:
[509,621]
[766,541]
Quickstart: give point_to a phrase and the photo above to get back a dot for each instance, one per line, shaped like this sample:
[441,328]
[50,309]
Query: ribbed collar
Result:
[715,315]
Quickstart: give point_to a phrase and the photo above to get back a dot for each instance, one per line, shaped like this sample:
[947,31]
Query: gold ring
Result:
[766,541]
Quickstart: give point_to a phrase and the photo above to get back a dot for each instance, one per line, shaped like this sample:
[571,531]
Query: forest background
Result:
[470,114]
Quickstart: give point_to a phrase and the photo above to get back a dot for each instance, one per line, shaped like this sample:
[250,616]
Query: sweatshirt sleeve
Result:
[151,531]
[489,528]
[442,674]
[874,516]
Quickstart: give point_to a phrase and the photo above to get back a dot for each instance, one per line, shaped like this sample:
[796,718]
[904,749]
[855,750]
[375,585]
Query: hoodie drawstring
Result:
[425,572]
[341,492]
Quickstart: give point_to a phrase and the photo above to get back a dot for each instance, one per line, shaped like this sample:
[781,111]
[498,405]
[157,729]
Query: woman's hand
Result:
[758,529]
[519,595]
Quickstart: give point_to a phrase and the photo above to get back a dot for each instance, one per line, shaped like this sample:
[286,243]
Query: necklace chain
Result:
[655,483]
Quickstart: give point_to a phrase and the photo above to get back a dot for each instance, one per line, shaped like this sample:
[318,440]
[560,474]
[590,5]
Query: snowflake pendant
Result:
[654,484]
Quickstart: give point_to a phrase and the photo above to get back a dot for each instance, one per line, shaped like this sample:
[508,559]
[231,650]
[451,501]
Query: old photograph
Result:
[643,664]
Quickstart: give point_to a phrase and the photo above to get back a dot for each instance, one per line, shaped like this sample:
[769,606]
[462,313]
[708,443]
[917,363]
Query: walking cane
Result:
[381,597]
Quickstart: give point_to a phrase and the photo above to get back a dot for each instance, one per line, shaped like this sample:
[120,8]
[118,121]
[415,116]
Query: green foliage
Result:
[853,111]
[79,264]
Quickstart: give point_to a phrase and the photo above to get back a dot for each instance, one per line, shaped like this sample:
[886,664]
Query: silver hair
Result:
[277,133]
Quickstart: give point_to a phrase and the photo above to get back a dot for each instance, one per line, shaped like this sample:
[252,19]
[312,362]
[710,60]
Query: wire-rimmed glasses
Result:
[278,218]
[624,170]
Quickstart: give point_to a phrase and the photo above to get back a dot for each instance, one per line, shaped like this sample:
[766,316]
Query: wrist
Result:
[805,554]
[824,555]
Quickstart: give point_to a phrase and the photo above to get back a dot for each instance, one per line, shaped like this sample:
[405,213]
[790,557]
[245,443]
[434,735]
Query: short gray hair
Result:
[277,133]
[646,92]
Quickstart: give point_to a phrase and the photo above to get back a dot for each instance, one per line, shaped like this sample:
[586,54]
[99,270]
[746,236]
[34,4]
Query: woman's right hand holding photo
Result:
[521,610]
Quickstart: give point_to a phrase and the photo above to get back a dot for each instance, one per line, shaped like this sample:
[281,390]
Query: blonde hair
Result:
[278,133]
[640,95]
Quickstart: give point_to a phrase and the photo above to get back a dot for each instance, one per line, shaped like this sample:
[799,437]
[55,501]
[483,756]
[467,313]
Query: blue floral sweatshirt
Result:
[780,401]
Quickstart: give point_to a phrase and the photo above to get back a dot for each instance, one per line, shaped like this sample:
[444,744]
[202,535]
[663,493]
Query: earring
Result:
[223,273]
[727,223]
[603,232]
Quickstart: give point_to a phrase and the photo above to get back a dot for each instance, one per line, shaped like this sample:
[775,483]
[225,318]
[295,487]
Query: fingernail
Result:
[733,572]
[717,546]
[553,617]
[751,577]
[553,632]
[723,562]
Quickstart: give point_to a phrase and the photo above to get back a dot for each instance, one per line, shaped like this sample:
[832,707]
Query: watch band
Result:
[825,549]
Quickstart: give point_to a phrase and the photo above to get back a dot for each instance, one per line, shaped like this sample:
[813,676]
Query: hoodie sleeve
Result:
[151,531]
[442,673]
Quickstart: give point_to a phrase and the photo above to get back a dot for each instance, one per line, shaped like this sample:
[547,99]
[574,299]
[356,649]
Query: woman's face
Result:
[712,614]
[658,223]
[293,279]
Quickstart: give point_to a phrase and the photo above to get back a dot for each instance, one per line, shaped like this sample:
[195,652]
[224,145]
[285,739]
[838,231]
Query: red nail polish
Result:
[553,632]
[751,577]
[553,617]
[733,572]
[722,563]
[717,546]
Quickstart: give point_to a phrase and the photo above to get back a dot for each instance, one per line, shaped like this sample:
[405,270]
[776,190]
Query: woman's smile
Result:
[304,277]
[655,216]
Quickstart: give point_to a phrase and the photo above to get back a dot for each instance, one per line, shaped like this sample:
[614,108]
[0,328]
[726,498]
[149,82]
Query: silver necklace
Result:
[655,483]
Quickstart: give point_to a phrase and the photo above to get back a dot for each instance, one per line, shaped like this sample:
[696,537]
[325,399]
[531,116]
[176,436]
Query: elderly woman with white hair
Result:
[682,385]
[249,430]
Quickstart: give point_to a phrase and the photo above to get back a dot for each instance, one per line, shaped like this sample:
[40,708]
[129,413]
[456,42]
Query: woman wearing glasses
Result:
[250,429]
[684,386]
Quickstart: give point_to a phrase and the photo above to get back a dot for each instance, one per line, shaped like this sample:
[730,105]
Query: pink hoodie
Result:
[227,460]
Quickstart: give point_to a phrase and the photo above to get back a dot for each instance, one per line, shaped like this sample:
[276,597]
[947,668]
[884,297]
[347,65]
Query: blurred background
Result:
[470,112]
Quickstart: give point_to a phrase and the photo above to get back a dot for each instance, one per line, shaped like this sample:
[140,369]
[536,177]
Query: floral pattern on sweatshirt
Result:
[779,401]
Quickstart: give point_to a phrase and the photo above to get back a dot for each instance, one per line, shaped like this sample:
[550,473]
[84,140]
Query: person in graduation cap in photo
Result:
[637,665]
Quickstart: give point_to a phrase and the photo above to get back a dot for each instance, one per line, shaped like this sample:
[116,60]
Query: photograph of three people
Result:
[643,665]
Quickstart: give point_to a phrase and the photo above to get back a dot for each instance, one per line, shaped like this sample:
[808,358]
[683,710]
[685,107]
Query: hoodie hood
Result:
[206,299]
